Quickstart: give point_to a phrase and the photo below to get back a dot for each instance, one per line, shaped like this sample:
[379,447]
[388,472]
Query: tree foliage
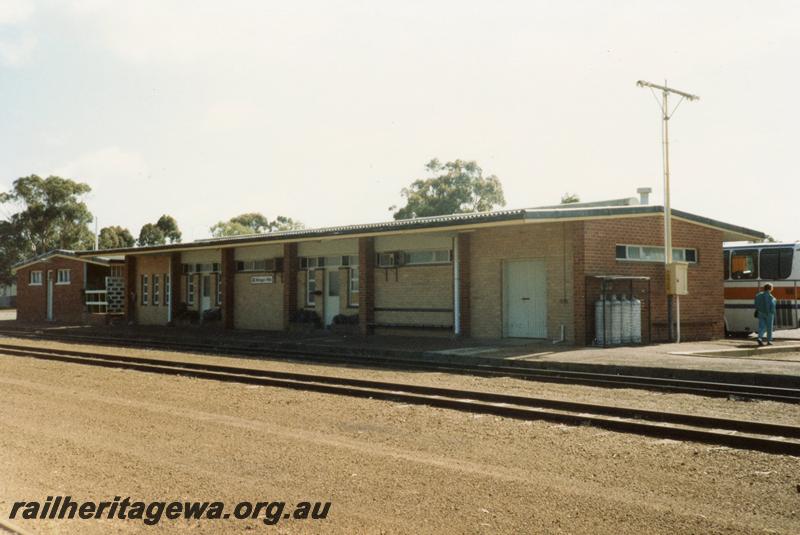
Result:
[11,251]
[253,223]
[150,234]
[169,227]
[164,230]
[50,215]
[115,237]
[454,187]
[569,198]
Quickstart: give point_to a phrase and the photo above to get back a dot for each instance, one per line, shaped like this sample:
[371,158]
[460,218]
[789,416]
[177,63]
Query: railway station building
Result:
[527,273]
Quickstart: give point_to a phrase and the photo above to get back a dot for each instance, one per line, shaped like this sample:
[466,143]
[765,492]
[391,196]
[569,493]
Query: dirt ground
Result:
[96,433]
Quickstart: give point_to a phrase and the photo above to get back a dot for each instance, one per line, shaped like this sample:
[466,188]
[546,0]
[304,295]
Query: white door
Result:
[331,304]
[49,296]
[525,298]
[205,293]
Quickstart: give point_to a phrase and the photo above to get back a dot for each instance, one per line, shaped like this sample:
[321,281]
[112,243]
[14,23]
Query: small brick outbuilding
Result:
[57,286]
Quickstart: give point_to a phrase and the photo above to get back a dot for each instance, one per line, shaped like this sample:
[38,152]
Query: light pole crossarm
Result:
[688,96]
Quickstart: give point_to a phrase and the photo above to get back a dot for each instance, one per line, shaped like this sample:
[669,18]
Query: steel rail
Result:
[623,412]
[767,437]
[607,380]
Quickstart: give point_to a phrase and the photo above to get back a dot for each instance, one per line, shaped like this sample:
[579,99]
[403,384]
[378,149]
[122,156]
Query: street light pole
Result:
[665,117]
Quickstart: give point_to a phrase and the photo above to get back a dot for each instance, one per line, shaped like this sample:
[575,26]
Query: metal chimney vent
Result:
[644,195]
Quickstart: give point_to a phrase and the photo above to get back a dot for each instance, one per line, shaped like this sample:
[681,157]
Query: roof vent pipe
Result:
[644,195]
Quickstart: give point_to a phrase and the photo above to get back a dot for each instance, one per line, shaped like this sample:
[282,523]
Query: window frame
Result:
[219,289]
[746,252]
[626,248]
[144,289]
[780,262]
[311,277]
[156,282]
[167,289]
[433,261]
[67,279]
[32,278]
[352,286]
[190,289]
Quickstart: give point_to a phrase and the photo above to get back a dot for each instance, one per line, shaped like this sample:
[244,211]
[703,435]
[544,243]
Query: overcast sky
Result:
[323,111]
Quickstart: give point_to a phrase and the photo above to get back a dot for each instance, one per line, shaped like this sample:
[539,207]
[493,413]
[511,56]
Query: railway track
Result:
[750,435]
[507,369]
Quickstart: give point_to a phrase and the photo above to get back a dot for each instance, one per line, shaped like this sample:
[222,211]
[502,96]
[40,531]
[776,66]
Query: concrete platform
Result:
[728,360]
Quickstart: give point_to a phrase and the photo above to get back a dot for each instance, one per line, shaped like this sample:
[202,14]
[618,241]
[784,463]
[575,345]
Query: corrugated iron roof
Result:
[455,221]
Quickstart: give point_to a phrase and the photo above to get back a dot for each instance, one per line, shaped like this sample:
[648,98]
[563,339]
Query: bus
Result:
[747,268]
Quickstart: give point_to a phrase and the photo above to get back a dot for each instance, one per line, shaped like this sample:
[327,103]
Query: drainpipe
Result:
[456,290]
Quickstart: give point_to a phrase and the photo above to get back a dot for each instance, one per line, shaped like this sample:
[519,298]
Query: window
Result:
[269,264]
[352,296]
[311,287]
[167,289]
[200,268]
[219,288]
[427,257]
[726,260]
[744,264]
[333,283]
[156,290]
[190,289]
[776,263]
[311,262]
[145,296]
[36,278]
[648,253]
[63,276]
[115,271]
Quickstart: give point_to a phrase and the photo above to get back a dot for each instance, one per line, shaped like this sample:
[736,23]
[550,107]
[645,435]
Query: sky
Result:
[324,110]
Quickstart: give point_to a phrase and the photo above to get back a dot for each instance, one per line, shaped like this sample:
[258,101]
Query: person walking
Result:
[765,312]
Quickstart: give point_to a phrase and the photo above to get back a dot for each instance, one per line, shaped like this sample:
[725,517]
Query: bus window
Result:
[744,264]
[776,264]
[727,263]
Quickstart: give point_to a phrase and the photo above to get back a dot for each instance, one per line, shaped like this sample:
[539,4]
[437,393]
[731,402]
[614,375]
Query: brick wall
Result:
[366,285]
[702,311]
[259,306]
[291,265]
[419,295]
[490,248]
[68,299]
[131,288]
[177,280]
[465,282]
[152,314]
[228,288]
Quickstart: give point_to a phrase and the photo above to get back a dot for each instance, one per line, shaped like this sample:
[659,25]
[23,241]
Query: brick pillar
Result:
[228,287]
[579,283]
[290,268]
[176,281]
[465,303]
[366,285]
[131,293]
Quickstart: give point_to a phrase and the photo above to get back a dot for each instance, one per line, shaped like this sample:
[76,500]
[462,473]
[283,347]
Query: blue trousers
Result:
[765,322]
